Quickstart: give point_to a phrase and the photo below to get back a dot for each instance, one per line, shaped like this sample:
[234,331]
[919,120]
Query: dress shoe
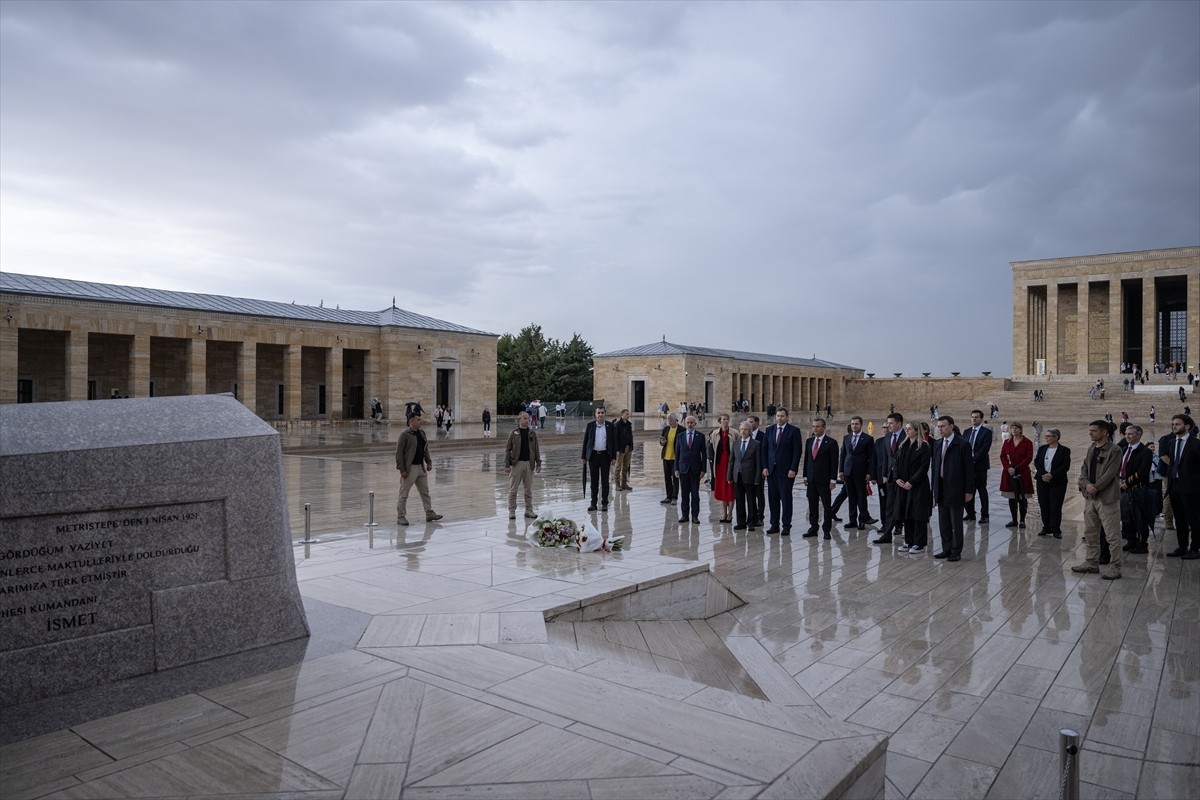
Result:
[592,507]
[827,536]
[1178,551]
[683,519]
[432,517]
[1085,568]
[1043,532]
[984,519]
[809,534]
[604,506]
[869,521]
[773,529]
[1021,526]
[1012,524]
[1057,535]
[941,555]
[740,527]
[852,527]
[1191,556]
[786,532]
[883,540]
[751,528]
[954,558]
[695,520]
[666,501]
[835,517]
[969,518]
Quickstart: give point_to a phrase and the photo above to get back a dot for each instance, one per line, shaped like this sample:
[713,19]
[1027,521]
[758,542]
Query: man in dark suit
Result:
[1179,453]
[953,471]
[858,458]
[760,490]
[820,467]
[1051,466]
[781,462]
[691,458]
[979,438]
[745,473]
[599,453]
[1134,480]
[886,447]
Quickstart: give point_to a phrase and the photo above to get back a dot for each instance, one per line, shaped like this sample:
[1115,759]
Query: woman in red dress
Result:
[719,443]
[1015,481]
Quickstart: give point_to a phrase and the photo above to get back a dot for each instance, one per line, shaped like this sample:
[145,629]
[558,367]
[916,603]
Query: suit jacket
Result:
[1137,468]
[882,465]
[981,453]
[783,455]
[823,468]
[1188,479]
[694,458]
[952,481]
[662,438]
[1059,468]
[1108,468]
[858,461]
[589,439]
[746,467]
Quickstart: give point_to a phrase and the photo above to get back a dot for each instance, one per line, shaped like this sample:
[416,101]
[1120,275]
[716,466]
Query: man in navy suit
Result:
[1179,452]
[953,471]
[820,467]
[858,458]
[691,458]
[599,453]
[886,447]
[781,462]
[979,438]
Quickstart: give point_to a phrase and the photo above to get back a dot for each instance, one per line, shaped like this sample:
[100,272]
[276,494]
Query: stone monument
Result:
[138,535]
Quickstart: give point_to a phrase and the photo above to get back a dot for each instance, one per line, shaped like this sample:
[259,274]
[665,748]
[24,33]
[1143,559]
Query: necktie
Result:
[778,433]
[689,440]
[1125,461]
[1175,461]
[743,448]
[895,436]
[942,465]
[974,433]
[816,446]
[854,441]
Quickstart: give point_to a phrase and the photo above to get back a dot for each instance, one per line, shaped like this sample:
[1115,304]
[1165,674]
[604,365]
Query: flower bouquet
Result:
[554,532]
[590,540]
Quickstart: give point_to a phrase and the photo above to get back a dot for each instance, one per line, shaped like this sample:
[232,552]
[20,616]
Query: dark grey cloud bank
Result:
[857,174]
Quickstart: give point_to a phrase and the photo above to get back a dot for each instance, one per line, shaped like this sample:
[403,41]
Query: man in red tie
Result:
[820,472]
[691,459]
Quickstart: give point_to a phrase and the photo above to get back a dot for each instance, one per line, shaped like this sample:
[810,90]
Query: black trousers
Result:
[779,490]
[980,492]
[950,526]
[856,496]
[1050,501]
[820,494]
[1186,507]
[600,465]
[745,501]
[672,483]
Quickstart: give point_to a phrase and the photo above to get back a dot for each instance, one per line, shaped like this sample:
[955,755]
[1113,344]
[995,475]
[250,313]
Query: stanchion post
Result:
[308,523]
[1068,760]
[371,523]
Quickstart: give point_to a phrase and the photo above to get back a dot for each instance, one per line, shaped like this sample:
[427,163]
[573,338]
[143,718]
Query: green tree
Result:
[533,367]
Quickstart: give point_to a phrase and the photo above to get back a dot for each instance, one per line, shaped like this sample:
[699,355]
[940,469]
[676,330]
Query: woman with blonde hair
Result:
[914,498]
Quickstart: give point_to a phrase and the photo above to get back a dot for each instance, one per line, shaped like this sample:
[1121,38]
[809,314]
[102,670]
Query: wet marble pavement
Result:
[453,686]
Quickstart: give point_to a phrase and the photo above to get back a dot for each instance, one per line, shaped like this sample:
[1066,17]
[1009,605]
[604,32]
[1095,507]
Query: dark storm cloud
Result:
[480,158]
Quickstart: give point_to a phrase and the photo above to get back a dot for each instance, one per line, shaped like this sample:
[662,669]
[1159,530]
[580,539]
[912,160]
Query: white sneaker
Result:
[902,548]
[916,549]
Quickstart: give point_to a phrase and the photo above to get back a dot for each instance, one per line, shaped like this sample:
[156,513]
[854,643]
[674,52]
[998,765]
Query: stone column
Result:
[1193,321]
[139,366]
[247,375]
[1020,327]
[1082,331]
[1115,320]
[197,365]
[9,373]
[293,388]
[1052,329]
[1149,321]
[77,362]
[333,383]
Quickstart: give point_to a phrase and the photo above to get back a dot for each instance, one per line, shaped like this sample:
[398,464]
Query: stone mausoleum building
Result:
[1086,315]
[74,340]
[642,378]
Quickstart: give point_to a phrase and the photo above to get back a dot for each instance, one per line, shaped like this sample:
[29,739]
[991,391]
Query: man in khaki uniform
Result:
[1099,483]
[522,458]
[414,463]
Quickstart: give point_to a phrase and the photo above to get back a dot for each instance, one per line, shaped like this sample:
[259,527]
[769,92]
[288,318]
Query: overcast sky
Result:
[846,179]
